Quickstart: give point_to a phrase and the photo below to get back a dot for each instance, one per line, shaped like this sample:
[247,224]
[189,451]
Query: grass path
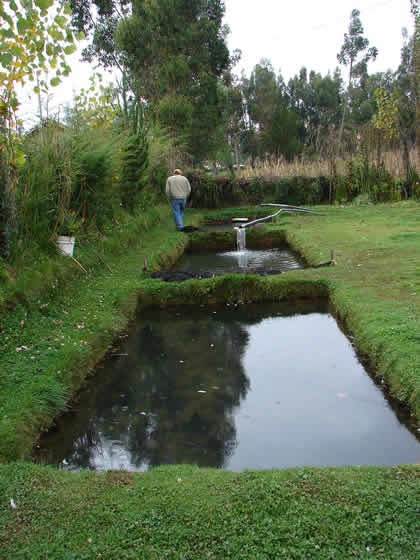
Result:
[190,513]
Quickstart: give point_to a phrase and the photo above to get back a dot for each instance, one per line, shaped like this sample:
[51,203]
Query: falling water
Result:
[240,239]
[241,247]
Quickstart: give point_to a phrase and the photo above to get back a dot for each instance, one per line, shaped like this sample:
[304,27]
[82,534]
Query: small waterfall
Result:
[241,247]
[240,239]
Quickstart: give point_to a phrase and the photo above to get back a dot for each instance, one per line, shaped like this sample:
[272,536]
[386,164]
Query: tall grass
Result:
[393,162]
[44,183]
[75,177]
[272,167]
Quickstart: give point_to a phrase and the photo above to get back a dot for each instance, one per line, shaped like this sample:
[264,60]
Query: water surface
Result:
[227,226]
[250,387]
[248,260]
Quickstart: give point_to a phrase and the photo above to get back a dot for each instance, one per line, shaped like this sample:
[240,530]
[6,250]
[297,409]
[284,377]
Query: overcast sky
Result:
[296,33]
[290,33]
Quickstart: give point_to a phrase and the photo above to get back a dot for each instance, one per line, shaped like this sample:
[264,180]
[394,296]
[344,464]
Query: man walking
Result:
[178,189]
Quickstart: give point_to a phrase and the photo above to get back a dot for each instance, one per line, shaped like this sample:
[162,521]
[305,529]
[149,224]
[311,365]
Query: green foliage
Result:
[134,167]
[162,45]
[34,40]
[386,118]
[281,137]
[3,273]
[218,192]
[360,178]
[205,192]
[96,105]
[94,195]
[317,100]
[255,191]
[415,183]
[44,184]
[355,53]
[269,110]
[175,113]
[302,190]
[5,206]
[376,183]
[67,179]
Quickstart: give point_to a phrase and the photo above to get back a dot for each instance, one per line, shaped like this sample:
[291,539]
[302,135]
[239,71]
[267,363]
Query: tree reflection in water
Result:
[170,400]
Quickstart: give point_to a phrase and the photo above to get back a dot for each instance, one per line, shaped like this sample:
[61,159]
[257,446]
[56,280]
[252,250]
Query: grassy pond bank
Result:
[59,321]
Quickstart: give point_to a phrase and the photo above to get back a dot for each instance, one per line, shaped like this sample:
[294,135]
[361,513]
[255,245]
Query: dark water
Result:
[253,387]
[249,260]
[218,227]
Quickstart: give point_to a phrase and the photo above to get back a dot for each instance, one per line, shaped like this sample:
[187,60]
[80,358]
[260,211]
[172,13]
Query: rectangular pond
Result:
[251,387]
[256,261]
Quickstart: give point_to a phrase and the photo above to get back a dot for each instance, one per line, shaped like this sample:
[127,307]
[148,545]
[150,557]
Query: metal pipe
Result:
[291,207]
[283,208]
[261,219]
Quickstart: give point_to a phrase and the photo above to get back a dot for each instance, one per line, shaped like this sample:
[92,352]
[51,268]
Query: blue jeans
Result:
[178,206]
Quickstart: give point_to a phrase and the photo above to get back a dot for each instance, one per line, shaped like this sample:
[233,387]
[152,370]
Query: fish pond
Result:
[234,387]
[255,261]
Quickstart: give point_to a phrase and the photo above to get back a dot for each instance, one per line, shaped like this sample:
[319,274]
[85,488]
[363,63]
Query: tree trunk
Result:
[236,149]
[378,150]
[4,205]
[405,155]
[417,83]
[346,103]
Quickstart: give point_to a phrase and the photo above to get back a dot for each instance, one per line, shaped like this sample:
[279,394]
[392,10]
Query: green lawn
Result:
[54,328]
[183,512]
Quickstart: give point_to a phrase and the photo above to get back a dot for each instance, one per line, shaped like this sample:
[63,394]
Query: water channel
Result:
[254,386]
[240,258]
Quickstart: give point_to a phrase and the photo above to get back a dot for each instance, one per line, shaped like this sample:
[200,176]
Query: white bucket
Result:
[65,245]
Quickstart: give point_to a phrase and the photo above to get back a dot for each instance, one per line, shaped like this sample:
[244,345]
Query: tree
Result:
[270,123]
[355,53]
[99,20]
[262,94]
[396,114]
[363,100]
[317,101]
[234,112]
[34,38]
[281,136]
[134,167]
[176,51]
[415,10]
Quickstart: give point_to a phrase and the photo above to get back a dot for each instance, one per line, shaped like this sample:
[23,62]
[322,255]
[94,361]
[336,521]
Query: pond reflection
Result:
[254,387]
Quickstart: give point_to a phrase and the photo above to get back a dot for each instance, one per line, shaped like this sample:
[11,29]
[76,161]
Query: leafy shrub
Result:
[93,164]
[3,272]
[175,112]
[163,158]
[413,184]
[44,184]
[215,192]
[134,169]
